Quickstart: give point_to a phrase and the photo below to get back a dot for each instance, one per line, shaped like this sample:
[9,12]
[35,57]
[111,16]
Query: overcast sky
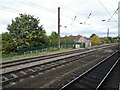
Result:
[72,13]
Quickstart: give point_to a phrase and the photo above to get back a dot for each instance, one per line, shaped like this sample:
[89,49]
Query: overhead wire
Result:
[112,7]
[8,11]
[12,10]
[105,8]
[113,14]
[75,11]
[37,6]
[73,20]
[33,4]
[88,17]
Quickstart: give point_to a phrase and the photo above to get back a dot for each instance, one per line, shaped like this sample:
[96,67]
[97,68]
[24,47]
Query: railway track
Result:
[8,64]
[8,67]
[33,59]
[26,72]
[95,76]
[18,74]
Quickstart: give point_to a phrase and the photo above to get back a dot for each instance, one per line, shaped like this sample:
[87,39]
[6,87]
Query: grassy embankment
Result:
[14,56]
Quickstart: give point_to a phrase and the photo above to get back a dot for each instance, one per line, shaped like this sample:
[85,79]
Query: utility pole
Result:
[108,33]
[58,28]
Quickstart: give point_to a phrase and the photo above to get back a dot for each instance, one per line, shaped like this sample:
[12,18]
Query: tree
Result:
[95,40]
[0,43]
[53,38]
[66,39]
[8,45]
[26,31]
[92,35]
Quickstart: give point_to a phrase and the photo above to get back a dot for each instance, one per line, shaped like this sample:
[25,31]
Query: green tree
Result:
[92,35]
[53,38]
[8,45]
[0,43]
[116,39]
[66,39]
[25,30]
[109,39]
[95,40]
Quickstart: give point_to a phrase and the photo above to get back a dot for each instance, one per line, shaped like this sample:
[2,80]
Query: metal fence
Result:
[49,47]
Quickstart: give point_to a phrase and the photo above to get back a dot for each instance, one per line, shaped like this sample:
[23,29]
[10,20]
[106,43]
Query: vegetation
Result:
[27,35]
[14,56]
[110,40]
[24,32]
[8,45]
[66,40]
[95,40]
[53,38]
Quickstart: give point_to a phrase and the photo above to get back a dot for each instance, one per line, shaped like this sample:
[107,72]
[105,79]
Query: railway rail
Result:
[33,59]
[25,72]
[29,63]
[18,74]
[8,64]
[95,76]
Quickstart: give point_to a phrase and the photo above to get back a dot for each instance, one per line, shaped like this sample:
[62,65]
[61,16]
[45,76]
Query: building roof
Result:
[75,38]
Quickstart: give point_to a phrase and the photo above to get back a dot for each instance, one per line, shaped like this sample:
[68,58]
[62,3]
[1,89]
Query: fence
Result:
[49,47]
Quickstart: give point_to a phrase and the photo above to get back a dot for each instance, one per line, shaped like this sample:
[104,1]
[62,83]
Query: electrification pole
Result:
[108,33]
[58,27]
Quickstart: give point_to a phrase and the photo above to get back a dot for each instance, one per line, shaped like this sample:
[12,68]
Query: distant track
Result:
[95,76]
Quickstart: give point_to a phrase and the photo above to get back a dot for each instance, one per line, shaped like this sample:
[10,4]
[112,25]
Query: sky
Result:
[81,17]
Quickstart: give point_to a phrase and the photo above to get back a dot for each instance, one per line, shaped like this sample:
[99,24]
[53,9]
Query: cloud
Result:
[47,12]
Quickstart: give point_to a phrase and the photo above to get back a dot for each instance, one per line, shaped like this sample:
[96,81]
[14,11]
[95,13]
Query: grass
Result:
[14,56]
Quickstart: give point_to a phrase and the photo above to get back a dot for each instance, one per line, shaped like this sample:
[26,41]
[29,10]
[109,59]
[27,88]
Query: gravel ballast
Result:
[57,77]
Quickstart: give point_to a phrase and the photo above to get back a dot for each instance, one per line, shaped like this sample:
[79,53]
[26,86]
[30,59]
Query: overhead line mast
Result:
[58,28]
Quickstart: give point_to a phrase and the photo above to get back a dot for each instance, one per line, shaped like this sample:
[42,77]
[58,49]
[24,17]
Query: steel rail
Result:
[27,65]
[38,58]
[7,81]
[107,74]
[66,86]
[64,61]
